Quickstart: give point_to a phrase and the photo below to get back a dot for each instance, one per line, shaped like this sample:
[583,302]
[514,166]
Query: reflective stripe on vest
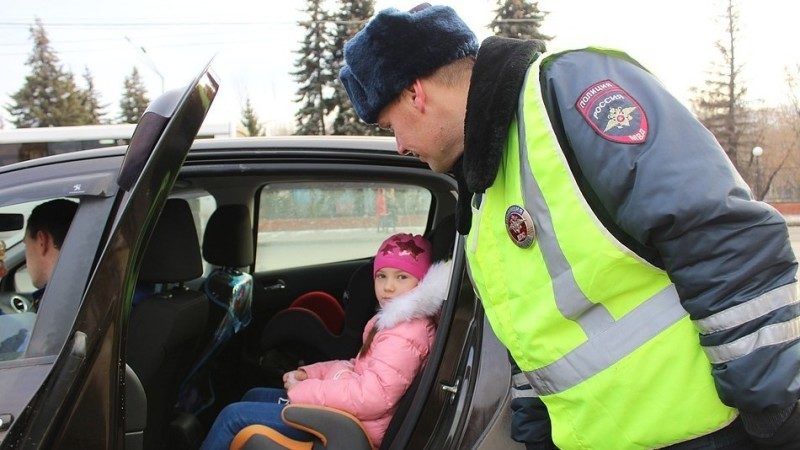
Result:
[621,337]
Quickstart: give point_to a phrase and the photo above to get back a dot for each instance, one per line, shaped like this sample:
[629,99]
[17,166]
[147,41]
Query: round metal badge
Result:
[519,225]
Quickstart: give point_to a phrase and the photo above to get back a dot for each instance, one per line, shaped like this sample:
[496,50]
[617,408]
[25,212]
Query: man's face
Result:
[432,135]
[35,249]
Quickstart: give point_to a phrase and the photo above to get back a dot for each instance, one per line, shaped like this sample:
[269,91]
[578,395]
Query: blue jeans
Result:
[259,406]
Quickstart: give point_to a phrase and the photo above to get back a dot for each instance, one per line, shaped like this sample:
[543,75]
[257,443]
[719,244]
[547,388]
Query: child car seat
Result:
[334,429]
[306,333]
[324,306]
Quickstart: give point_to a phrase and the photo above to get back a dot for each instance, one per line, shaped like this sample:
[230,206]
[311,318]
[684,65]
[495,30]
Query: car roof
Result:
[320,145]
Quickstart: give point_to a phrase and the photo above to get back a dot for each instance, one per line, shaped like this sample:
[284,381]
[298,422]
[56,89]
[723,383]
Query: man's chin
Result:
[439,166]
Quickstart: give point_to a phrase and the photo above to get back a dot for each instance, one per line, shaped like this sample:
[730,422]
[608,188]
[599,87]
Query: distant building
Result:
[22,144]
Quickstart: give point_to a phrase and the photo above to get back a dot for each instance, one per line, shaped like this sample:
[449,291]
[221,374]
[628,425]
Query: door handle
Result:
[452,389]
[278,285]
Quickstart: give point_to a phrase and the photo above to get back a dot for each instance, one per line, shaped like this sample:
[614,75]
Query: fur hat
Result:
[397,47]
[407,252]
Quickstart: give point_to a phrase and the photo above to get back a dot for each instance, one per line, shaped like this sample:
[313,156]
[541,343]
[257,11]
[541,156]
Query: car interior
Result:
[309,298]
[249,275]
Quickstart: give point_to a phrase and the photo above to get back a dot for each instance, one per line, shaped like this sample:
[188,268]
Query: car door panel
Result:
[18,384]
[82,402]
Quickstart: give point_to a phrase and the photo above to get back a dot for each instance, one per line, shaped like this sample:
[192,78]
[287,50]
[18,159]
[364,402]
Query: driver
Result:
[47,227]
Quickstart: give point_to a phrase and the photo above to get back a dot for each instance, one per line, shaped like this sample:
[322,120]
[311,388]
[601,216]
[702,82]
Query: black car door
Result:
[75,359]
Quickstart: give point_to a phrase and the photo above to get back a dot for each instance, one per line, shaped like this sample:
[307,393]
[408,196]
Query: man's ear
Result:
[418,95]
[44,241]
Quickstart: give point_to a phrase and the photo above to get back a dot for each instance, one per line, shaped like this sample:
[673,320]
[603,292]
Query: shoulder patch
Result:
[613,113]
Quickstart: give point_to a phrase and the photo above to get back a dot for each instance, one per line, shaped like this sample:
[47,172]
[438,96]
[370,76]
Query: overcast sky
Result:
[253,43]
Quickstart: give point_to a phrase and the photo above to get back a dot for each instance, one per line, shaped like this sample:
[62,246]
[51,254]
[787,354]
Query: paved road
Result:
[794,235]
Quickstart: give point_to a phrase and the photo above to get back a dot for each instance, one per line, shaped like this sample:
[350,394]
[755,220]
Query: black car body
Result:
[71,387]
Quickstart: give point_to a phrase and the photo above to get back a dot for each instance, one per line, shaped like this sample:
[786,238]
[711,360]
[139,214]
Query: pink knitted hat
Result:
[407,252]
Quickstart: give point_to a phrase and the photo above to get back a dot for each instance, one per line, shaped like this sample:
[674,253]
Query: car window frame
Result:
[42,184]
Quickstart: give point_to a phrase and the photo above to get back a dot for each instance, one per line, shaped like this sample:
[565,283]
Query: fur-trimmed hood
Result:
[495,85]
[425,300]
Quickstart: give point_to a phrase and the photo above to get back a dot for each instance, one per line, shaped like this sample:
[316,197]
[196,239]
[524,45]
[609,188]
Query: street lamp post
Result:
[757,152]
[149,61]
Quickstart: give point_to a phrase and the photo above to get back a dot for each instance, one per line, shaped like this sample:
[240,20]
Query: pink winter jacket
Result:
[371,386]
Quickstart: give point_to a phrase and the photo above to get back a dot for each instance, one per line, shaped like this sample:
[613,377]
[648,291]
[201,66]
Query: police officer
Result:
[645,295]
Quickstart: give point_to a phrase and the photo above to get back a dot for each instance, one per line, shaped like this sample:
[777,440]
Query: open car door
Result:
[75,358]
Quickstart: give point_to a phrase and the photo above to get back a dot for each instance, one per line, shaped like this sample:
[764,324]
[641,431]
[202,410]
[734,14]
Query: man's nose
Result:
[401,148]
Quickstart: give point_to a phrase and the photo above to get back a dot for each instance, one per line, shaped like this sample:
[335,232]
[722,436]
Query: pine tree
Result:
[351,17]
[250,120]
[49,97]
[91,100]
[314,72]
[519,19]
[720,105]
[134,98]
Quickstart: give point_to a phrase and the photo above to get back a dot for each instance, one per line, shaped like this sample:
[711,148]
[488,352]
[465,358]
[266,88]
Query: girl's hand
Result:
[294,377]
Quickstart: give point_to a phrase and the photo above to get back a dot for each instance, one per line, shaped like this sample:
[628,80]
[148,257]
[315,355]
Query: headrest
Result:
[173,253]
[228,239]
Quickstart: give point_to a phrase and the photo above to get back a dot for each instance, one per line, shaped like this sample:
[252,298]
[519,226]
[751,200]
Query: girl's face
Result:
[390,282]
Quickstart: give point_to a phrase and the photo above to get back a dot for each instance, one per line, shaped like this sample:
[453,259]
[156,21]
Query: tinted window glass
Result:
[303,224]
[202,207]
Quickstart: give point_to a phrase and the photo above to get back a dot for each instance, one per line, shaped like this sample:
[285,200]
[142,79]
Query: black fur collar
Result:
[496,81]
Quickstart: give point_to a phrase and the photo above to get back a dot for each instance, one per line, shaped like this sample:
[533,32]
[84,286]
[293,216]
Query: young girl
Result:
[397,341]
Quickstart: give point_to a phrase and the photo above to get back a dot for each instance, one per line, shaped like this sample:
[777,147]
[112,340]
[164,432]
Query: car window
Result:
[302,224]
[22,280]
[17,299]
[202,206]
[13,239]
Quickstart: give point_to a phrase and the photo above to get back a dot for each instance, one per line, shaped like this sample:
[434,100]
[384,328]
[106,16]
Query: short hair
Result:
[54,218]
[455,73]
[451,75]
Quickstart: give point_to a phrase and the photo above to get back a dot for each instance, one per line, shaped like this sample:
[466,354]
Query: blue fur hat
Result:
[397,47]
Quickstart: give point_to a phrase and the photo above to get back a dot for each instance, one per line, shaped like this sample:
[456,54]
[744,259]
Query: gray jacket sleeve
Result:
[676,200]
[530,422]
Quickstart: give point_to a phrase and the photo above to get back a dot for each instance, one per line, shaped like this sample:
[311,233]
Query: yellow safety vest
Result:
[599,332]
